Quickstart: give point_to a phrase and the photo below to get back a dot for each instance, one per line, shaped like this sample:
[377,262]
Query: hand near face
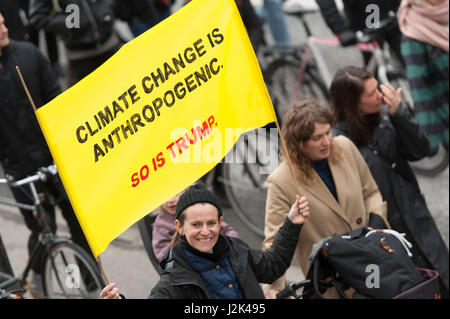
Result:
[299,212]
[391,97]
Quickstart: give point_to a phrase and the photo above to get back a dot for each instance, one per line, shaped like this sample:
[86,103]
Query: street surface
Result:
[125,261]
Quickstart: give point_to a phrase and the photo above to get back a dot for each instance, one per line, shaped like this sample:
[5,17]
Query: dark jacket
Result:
[396,140]
[96,21]
[16,26]
[215,270]
[355,20]
[251,267]
[22,145]
[252,22]
[128,10]
[355,13]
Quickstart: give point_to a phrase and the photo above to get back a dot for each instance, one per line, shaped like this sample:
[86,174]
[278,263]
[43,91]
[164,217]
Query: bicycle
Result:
[293,72]
[244,174]
[311,56]
[67,270]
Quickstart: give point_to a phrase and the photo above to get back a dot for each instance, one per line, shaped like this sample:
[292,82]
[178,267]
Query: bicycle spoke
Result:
[289,80]
[245,181]
[56,273]
[82,280]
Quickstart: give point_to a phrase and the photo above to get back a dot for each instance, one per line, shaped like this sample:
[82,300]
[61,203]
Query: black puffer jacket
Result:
[251,267]
[396,140]
[96,19]
[22,145]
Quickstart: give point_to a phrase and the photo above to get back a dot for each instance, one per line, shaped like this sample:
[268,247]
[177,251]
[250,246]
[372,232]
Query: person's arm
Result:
[413,141]
[414,144]
[277,208]
[163,290]
[162,236]
[269,265]
[252,22]
[42,15]
[336,22]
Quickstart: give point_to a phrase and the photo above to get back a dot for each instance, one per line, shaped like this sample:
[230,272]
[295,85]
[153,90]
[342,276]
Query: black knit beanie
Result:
[196,194]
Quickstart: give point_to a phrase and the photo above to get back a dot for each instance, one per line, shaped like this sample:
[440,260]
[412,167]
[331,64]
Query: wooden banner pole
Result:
[34,108]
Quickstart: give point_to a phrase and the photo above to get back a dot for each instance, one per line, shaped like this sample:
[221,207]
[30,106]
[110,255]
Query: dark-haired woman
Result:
[202,263]
[388,137]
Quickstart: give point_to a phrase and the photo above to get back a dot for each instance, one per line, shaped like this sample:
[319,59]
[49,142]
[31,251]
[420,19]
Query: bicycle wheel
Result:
[244,177]
[286,82]
[69,272]
[430,166]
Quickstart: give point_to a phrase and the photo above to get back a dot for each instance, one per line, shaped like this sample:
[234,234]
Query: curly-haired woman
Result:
[331,173]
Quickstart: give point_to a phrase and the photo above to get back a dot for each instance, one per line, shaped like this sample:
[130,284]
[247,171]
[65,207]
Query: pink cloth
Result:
[164,228]
[424,22]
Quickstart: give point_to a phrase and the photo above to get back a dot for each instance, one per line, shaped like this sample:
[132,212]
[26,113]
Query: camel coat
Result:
[357,192]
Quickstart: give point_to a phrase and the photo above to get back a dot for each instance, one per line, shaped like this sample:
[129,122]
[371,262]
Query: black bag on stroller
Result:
[375,263]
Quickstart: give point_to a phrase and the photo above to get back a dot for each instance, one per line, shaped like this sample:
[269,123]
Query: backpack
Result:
[375,263]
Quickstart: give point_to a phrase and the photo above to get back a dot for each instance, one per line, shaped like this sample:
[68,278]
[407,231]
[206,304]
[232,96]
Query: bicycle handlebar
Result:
[40,175]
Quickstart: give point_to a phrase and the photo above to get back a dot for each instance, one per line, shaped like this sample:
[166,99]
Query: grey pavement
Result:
[125,261]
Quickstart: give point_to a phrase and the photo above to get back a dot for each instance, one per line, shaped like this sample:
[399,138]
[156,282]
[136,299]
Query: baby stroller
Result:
[364,264]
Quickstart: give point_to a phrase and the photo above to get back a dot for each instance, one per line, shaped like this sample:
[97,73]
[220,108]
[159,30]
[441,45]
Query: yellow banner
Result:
[155,117]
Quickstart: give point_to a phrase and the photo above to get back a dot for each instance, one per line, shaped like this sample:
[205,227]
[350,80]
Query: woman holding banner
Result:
[331,173]
[203,263]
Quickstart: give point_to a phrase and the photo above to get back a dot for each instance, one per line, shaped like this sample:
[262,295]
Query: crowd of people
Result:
[350,158]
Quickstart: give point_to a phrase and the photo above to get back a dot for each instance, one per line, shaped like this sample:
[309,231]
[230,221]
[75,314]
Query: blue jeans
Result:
[272,14]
